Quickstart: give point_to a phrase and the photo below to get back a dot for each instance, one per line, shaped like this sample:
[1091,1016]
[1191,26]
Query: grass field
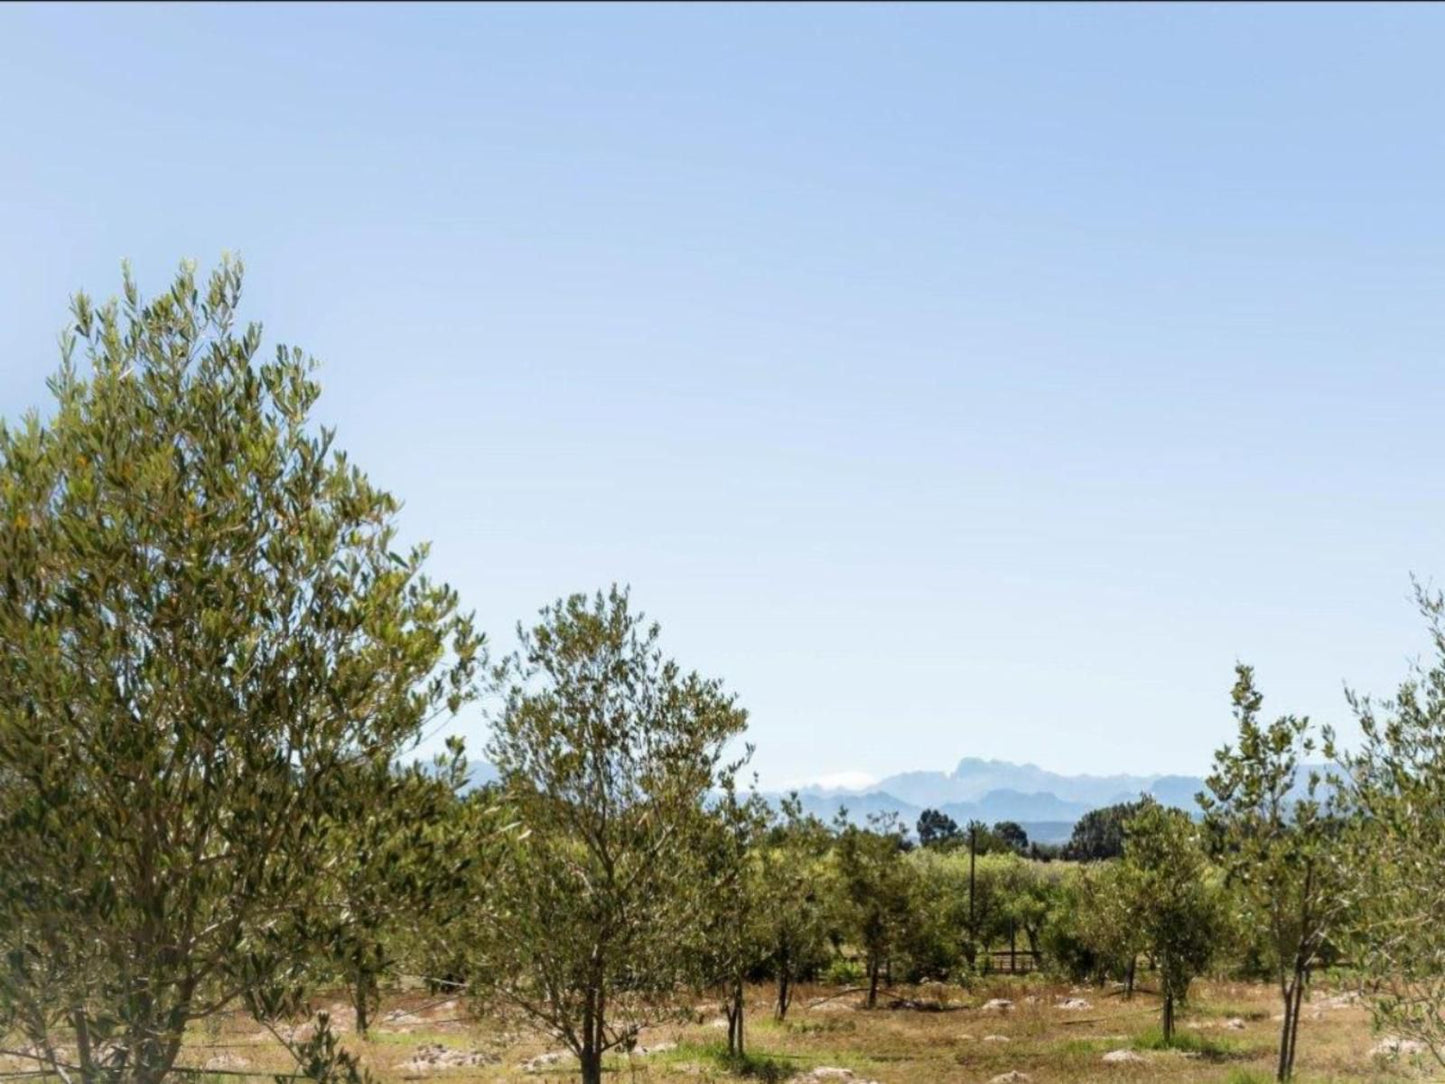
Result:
[1052,1032]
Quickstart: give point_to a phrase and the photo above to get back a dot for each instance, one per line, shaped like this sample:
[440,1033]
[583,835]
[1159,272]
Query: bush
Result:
[843,972]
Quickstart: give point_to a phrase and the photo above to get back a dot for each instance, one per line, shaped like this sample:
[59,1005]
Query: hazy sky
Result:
[952,381]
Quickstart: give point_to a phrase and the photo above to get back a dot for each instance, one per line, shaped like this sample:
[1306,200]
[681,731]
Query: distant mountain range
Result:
[1047,804]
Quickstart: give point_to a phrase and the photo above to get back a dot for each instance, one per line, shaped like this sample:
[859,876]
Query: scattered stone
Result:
[1393,1047]
[1347,1000]
[432,1057]
[920,1004]
[543,1062]
[402,1018]
[1074,1004]
[1013,1076]
[825,1004]
[720,1023]
[656,1048]
[1123,1057]
[1235,1023]
[997,1039]
[831,1072]
[998,1004]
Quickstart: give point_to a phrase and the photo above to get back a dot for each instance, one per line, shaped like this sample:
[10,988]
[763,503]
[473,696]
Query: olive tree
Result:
[1279,844]
[1172,901]
[795,893]
[204,623]
[1396,783]
[734,938]
[1092,929]
[606,753]
[876,885]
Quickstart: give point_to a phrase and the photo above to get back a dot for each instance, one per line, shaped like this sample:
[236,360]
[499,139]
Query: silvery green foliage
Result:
[1397,783]
[607,753]
[204,623]
[1278,835]
[1172,900]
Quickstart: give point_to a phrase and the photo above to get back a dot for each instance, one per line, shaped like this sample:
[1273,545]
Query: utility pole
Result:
[972,853]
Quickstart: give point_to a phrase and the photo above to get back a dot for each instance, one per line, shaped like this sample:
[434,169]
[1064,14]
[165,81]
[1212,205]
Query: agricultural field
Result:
[1047,1031]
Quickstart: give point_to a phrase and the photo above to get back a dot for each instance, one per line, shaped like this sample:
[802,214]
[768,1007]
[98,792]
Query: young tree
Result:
[1281,853]
[606,754]
[205,626]
[1174,906]
[1028,890]
[735,939]
[1092,929]
[1397,846]
[795,894]
[875,882]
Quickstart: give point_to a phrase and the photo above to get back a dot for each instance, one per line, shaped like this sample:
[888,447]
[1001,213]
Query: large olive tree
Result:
[204,621]
[607,753]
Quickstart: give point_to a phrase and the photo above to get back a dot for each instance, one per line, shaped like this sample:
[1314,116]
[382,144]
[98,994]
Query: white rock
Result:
[1393,1047]
[1123,1057]
[998,1004]
[1234,1023]
[997,1039]
[430,1057]
[549,1060]
[1074,1004]
[1013,1076]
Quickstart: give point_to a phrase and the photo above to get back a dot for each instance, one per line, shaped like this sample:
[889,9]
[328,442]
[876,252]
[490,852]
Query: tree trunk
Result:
[1129,979]
[590,1056]
[360,1001]
[738,1012]
[734,1010]
[1168,1020]
[591,1066]
[1282,1066]
[82,1044]
[785,994]
[872,983]
[1301,980]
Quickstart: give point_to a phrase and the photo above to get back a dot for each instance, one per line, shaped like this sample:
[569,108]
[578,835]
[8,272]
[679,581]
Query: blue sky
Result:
[952,381]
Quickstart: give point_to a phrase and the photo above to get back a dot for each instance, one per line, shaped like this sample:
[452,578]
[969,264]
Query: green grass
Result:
[1082,1047]
[828,1026]
[752,1065]
[1188,1042]
[768,1068]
